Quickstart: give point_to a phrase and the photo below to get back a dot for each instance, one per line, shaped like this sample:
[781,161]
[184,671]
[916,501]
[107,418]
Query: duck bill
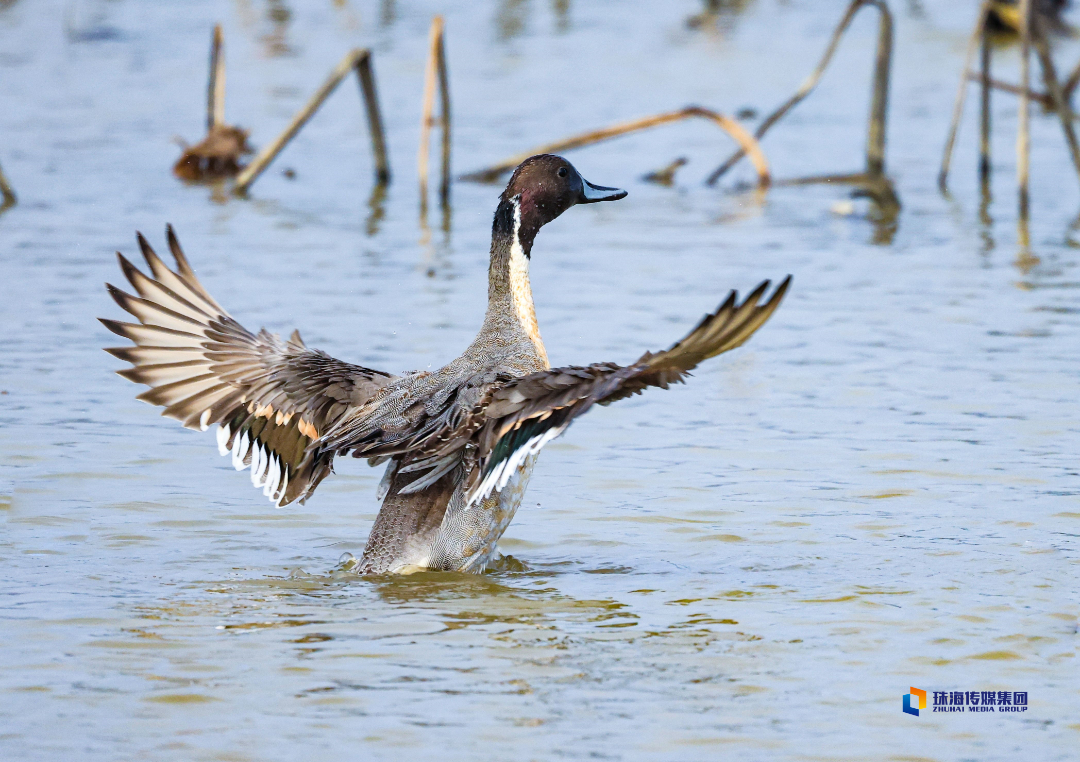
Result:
[590,194]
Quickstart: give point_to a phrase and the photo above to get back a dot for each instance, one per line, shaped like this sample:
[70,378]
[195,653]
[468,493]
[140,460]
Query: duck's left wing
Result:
[270,398]
[526,413]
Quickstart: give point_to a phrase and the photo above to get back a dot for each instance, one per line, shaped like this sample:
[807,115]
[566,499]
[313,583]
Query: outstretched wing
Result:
[525,414]
[269,398]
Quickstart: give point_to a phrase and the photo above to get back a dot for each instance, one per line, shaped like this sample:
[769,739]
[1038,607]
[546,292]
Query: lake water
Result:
[879,491]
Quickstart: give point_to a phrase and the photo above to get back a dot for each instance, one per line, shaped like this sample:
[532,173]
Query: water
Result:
[879,491]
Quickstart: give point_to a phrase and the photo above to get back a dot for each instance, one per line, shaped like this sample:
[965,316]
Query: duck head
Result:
[542,188]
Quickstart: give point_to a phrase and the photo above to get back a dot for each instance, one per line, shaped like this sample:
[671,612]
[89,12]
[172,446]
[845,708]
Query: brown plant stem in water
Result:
[435,72]
[366,74]
[215,91]
[6,191]
[218,154]
[961,94]
[876,138]
[1072,81]
[1008,87]
[1023,139]
[1042,48]
[879,103]
[354,60]
[984,107]
[739,133]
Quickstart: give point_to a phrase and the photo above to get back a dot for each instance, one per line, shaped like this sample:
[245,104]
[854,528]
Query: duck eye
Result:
[562,172]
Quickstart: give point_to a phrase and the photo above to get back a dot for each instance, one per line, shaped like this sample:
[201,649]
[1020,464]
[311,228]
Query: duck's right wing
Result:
[269,398]
[526,413]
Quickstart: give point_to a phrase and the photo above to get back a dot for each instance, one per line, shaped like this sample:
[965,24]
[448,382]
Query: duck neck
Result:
[509,292]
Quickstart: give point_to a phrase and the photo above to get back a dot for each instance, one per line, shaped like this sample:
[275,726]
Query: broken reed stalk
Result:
[879,104]
[215,91]
[1072,81]
[749,144]
[880,99]
[444,119]
[435,72]
[6,191]
[1023,138]
[358,60]
[984,107]
[1042,48]
[366,74]
[961,94]
[1008,87]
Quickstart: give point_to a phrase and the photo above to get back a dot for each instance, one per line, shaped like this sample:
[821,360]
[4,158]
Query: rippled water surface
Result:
[879,491]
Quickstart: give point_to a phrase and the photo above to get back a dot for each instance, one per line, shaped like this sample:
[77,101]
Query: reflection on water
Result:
[377,209]
[879,491]
[718,15]
[279,16]
[511,18]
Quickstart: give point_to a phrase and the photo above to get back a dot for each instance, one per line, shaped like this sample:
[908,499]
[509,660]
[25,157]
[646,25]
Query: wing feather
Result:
[492,426]
[527,413]
[269,398]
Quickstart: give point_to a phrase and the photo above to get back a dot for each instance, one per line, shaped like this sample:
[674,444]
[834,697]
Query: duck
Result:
[459,443]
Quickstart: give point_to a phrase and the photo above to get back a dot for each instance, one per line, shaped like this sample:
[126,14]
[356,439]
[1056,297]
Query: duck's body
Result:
[430,528]
[461,441]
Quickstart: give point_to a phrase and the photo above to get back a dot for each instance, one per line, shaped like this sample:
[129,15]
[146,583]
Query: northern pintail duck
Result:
[461,441]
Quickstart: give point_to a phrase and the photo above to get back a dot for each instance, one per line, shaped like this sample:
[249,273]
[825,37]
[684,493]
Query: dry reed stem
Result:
[218,154]
[1061,106]
[435,73]
[6,191]
[877,187]
[1008,87]
[215,91]
[444,119]
[984,107]
[1072,81]
[739,133]
[353,60]
[961,94]
[1023,138]
[427,108]
[366,74]
[880,98]
[879,104]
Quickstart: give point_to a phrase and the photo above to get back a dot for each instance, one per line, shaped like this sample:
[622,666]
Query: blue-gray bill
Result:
[590,193]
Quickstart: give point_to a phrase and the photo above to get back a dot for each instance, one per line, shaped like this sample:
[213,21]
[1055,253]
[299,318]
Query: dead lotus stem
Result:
[215,91]
[739,133]
[1023,138]
[435,74]
[6,191]
[444,118]
[884,54]
[984,106]
[1072,81]
[1008,87]
[1057,93]
[353,60]
[879,102]
[961,93]
[366,74]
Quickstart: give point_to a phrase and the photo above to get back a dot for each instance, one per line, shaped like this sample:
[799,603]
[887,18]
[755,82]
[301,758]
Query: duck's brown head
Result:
[542,188]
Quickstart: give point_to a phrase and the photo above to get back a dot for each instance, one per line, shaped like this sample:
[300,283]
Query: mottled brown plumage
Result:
[461,441]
